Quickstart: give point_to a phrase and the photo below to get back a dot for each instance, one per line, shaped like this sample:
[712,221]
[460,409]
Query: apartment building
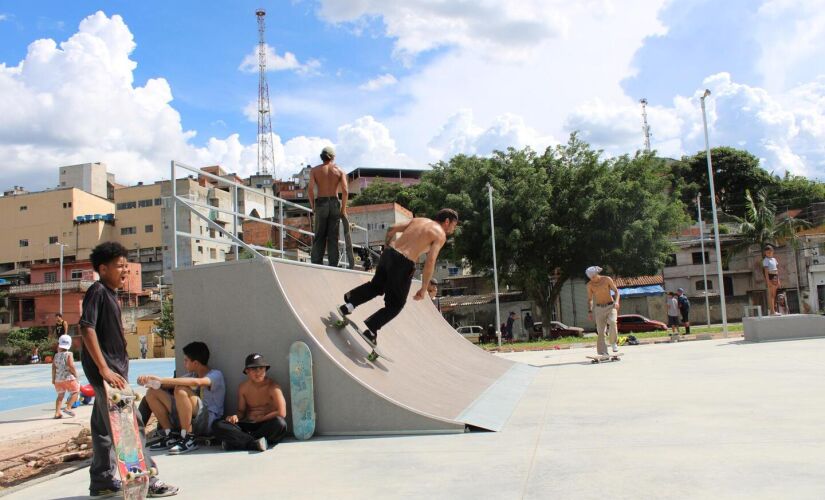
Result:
[139,228]
[360,178]
[376,219]
[92,178]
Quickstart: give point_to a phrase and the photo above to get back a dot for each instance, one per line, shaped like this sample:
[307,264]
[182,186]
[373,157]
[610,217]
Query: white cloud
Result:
[379,82]
[3,17]
[367,143]
[276,62]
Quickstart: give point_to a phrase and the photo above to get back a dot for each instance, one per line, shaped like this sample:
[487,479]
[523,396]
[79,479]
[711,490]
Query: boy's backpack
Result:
[684,302]
[632,340]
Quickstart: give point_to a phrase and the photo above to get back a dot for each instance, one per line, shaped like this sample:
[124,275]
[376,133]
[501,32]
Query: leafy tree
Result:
[760,226]
[734,171]
[166,323]
[795,191]
[24,340]
[556,213]
[381,191]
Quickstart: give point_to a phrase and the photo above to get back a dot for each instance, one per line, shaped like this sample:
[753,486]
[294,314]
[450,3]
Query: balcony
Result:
[49,288]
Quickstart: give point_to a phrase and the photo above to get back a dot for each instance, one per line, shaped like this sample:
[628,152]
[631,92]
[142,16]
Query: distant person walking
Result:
[328,178]
[511,319]
[673,312]
[771,269]
[394,273]
[528,324]
[684,308]
[60,325]
[603,304]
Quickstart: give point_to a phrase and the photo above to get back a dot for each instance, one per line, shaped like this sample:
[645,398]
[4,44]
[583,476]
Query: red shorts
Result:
[67,386]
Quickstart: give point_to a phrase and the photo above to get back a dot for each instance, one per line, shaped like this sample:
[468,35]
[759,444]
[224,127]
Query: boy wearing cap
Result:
[64,376]
[603,303]
[684,308]
[261,418]
[195,403]
[328,178]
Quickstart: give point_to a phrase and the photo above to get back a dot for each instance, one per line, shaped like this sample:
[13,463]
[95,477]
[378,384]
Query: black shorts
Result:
[685,316]
[673,321]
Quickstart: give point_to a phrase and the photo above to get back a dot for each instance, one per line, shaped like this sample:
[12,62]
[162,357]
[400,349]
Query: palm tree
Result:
[761,227]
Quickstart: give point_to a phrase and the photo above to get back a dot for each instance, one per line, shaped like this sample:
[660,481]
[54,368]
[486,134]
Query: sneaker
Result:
[112,490]
[615,348]
[184,445]
[225,447]
[344,310]
[165,442]
[160,489]
[371,337]
[261,444]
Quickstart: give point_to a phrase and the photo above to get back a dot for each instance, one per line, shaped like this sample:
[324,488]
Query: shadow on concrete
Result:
[346,342]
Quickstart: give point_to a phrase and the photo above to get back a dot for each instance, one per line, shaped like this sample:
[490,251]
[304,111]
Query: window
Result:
[701,286]
[24,243]
[128,230]
[77,274]
[149,228]
[126,205]
[211,232]
[697,257]
[50,277]
[23,208]
[213,253]
[145,203]
[158,201]
[52,240]
[728,282]
[670,261]
[200,249]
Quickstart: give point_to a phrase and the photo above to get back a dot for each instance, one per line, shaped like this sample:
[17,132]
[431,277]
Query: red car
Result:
[627,323]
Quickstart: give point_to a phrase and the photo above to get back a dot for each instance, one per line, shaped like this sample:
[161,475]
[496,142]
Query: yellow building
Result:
[140,227]
[156,347]
[32,224]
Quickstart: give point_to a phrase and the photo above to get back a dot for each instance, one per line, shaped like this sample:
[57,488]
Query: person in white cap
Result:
[603,304]
[64,376]
[328,178]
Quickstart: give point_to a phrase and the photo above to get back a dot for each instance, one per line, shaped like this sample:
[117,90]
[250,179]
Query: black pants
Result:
[392,279]
[103,470]
[327,221]
[243,435]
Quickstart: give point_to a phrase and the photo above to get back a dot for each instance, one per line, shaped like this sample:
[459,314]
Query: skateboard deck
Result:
[375,354]
[301,390]
[131,464]
[604,358]
[348,242]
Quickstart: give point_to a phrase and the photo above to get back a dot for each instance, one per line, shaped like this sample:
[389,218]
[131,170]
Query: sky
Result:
[402,84]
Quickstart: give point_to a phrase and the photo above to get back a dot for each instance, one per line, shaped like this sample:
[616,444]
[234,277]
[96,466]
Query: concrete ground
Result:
[712,419]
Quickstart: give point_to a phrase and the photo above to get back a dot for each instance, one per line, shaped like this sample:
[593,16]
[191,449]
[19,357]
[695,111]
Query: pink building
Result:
[37,303]
[360,178]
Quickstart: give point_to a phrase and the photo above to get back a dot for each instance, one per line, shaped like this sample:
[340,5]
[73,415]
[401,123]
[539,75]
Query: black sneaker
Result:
[112,490]
[344,310]
[165,442]
[160,489]
[184,445]
[371,337]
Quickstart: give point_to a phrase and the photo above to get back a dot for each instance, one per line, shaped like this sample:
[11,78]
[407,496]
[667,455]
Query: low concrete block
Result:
[792,326]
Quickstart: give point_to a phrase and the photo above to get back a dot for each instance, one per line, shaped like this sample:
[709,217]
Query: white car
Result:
[470,333]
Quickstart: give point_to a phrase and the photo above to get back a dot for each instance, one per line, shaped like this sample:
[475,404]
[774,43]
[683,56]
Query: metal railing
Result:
[237,218]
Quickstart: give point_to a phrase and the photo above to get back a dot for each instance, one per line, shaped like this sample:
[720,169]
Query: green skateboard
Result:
[302,391]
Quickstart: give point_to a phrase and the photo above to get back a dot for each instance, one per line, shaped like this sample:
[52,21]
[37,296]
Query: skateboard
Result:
[131,464]
[301,389]
[375,353]
[348,242]
[604,358]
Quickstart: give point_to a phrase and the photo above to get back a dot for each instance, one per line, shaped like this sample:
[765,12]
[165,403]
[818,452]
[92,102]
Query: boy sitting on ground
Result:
[260,421]
[195,402]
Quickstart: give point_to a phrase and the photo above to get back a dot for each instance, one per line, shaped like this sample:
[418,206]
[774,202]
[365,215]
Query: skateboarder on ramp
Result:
[394,272]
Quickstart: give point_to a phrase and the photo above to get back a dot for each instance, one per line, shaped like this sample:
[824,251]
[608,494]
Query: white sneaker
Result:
[261,444]
[615,347]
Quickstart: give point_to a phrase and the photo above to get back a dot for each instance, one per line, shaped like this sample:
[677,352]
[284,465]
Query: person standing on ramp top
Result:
[394,272]
[328,178]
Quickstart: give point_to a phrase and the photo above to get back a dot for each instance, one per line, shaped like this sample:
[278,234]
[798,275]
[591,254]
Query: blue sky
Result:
[136,84]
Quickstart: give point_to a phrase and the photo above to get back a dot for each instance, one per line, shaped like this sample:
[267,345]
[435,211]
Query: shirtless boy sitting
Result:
[261,418]
[603,302]
[394,273]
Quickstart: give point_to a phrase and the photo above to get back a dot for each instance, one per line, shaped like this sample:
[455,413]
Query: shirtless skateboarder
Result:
[604,308]
[394,272]
[328,178]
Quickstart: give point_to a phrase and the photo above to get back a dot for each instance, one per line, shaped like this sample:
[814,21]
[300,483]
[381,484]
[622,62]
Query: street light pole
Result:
[720,276]
[495,265]
[704,267]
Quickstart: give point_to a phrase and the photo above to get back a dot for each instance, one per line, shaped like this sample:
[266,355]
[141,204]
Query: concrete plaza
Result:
[710,419]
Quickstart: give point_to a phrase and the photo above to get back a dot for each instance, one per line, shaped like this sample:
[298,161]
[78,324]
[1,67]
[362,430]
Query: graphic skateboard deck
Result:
[604,358]
[131,464]
[348,242]
[302,390]
[375,354]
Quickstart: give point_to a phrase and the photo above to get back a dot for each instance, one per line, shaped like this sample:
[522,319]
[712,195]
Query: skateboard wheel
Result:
[130,476]
[372,356]
[153,472]
[116,397]
[138,397]
[207,442]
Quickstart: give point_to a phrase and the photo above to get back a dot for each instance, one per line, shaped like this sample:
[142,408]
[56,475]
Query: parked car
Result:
[557,329]
[470,333]
[637,323]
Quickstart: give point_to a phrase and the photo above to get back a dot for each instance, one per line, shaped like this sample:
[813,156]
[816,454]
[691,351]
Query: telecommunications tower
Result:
[266,153]
[645,126]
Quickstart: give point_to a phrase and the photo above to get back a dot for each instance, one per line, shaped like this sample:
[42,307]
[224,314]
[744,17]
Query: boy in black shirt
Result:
[105,359]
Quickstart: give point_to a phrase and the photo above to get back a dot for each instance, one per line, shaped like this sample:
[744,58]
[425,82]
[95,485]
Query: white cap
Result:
[64,342]
[592,271]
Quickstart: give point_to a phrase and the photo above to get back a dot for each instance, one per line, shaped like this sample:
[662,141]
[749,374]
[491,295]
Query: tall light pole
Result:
[704,267]
[720,276]
[495,265]
[61,245]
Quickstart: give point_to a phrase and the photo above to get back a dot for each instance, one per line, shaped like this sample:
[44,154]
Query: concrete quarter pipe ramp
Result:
[436,381]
